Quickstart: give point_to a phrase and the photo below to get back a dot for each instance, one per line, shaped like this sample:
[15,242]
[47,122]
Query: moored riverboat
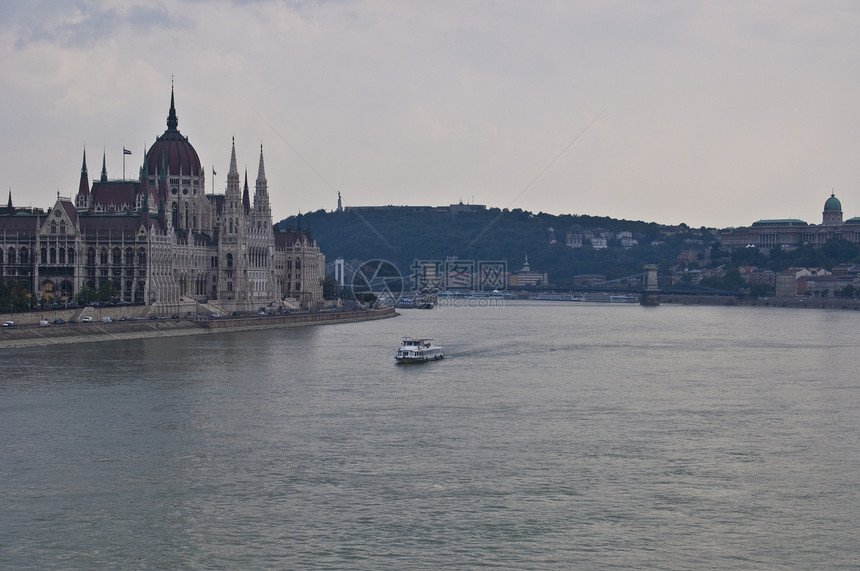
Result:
[559,297]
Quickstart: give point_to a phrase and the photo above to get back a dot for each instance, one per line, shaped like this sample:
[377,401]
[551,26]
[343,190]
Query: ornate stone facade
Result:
[162,240]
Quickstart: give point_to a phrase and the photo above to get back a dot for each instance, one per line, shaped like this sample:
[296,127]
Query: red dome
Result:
[172,152]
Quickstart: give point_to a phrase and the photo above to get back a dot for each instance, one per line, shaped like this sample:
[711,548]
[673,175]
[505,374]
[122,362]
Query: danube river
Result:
[555,435]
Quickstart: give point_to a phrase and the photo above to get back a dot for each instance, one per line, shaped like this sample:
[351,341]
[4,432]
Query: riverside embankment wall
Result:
[30,335]
[796,302]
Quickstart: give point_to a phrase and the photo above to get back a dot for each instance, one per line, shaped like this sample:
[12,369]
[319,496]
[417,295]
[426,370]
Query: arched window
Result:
[229,260]
[62,254]
[117,256]
[44,255]
[103,256]
[11,256]
[71,255]
[129,257]
[24,256]
[91,257]
[62,227]
[53,255]
[53,227]
[141,257]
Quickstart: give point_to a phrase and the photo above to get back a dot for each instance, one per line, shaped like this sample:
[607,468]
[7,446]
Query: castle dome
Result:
[833,203]
[171,151]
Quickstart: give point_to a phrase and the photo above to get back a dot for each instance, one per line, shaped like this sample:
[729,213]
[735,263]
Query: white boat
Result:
[559,297]
[624,298]
[414,350]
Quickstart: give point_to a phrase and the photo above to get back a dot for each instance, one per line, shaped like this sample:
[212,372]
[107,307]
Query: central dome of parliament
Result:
[171,151]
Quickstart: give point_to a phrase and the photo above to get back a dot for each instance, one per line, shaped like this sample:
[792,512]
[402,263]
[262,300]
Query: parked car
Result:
[58,321]
[8,324]
[44,323]
[86,319]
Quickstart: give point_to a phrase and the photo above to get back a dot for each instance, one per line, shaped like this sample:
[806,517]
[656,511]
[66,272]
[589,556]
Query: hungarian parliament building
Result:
[162,240]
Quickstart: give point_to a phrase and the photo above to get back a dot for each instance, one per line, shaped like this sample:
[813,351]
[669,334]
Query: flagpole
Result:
[124,153]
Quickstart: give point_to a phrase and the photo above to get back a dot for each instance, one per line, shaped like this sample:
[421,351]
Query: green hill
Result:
[404,234]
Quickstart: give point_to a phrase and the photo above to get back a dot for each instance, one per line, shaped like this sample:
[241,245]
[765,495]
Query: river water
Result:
[555,435]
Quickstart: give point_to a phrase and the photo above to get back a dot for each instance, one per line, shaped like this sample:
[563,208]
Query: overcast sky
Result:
[709,113]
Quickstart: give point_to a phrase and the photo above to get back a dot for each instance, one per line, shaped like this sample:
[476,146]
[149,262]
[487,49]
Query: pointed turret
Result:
[261,193]
[246,197]
[104,167]
[261,170]
[172,120]
[83,198]
[233,193]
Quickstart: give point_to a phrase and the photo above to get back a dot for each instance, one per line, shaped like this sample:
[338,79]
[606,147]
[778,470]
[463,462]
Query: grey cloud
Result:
[83,24]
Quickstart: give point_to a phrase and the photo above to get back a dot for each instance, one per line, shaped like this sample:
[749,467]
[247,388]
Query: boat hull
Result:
[406,359]
[409,361]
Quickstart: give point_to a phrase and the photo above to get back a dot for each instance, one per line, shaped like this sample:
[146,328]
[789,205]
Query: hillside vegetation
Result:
[402,235]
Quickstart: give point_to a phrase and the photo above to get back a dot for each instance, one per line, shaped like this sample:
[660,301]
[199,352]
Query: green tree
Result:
[107,291]
[330,288]
[761,290]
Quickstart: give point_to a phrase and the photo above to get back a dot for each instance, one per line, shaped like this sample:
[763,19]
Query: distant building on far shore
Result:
[790,233]
[450,209]
[527,278]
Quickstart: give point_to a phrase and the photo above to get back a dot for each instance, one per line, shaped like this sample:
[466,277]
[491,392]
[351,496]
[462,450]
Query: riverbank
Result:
[801,303]
[99,331]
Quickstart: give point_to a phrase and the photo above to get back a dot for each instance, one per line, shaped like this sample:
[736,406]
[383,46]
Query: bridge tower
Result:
[651,295]
[339,272]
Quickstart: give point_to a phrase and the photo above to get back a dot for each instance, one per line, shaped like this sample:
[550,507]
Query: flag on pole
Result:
[213,172]
[125,151]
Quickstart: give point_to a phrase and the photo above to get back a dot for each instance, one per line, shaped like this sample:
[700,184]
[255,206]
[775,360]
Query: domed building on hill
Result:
[790,232]
[162,240]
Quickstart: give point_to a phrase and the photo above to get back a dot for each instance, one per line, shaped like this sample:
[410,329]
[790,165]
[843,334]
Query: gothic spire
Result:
[84,186]
[261,191]
[172,120]
[104,167]
[261,171]
[246,198]
[233,191]
[233,169]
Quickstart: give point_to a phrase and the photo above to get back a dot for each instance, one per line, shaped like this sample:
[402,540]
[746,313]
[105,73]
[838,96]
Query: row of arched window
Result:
[54,227]
[58,256]
[116,256]
[13,256]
